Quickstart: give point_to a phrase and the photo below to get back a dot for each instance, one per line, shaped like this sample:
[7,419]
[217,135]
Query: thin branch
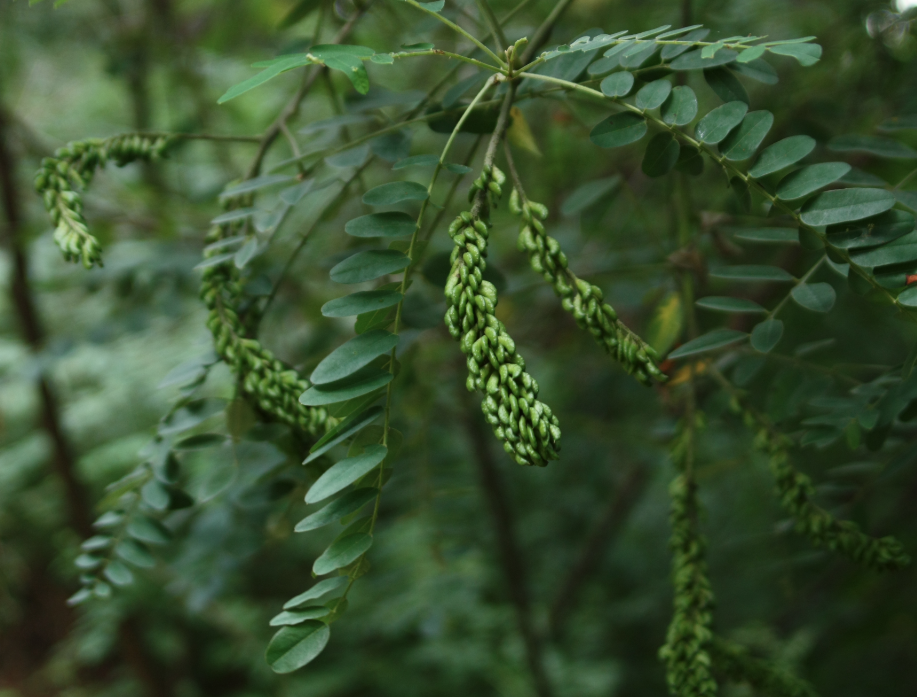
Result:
[495,29]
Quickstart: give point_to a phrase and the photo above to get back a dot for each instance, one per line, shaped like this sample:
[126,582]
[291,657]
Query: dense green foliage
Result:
[716,304]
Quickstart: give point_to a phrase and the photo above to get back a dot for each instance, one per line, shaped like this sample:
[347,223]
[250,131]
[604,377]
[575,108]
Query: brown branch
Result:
[510,554]
[602,536]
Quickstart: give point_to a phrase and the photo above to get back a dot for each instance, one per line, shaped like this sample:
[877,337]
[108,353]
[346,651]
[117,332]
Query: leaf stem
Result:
[456,28]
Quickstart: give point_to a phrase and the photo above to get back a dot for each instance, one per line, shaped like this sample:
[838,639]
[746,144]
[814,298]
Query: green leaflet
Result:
[818,297]
[395,192]
[364,383]
[900,251]
[369,265]
[391,224]
[767,234]
[782,154]
[694,60]
[757,70]
[148,530]
[661,155]
[617,84]
[716,125]
[809,179]
[288,617]
[351,502]
[653,94]
[118,573]
[345,473]
[343,551]
[588,194]
[806,54]
[844,205]
[319,590]
[874,145]
[765,336]
[750,54]
[729,304]
[745,140]
[135,553]
[675,50]
[342,432]
[908,297]
[871,232]
[273,70]
[360,302]
[293,647]
[348,358]
[681,106]
[751,272]
[726,85]
[618,130]
[710,341]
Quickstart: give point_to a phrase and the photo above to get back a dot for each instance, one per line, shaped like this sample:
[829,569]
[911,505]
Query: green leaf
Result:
[695,61]
[680,30]
[383,58]
[358,303]
[907,122]
[422,46]
[351,502]
[661,155]
[345,473]
[690,161]
[255,184]
[368,265]
[233,216]
[767,335]
[902,250]
[617,84]
[294,617]
[651,32]
[674,50]
[751,54]
[395,192]
[759,70]
[752,272]
[433,6]
[806,54]
[857,177]
[135,553]
[843,205]
[87,562]
[588,194]
[356,353]
[767,234]
[352,67]
[602,66]
[908,199]
[293,647]
[710,341]
[392,224]
[343,551]
[711,50]
[320,395]
[118,573]
[728,304]
[653,94]
[716,125]
[818,297]
[96,542]
[872,232]
[726,85]
[742,193]
[148,530]
[343,431]
[327,50]
[745,140]
[809,179]
[319,590]
[281,66]
[417,161]
[681,106]
[636,56]
[782,154]
[908,297]
[618,130]
[200,441]
[874,145]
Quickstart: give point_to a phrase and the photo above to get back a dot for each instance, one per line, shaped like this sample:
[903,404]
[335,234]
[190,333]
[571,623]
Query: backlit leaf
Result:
[806,54]
[356,353]
[345,473]
[343,551]
[319,590]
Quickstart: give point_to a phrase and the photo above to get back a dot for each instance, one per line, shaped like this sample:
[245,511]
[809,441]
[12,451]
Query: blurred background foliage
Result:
[577,550]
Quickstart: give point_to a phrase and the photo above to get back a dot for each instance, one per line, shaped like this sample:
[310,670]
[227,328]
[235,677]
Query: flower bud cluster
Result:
[71,169]
[580,298]
[686,650]
[264,379]
[526,426]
